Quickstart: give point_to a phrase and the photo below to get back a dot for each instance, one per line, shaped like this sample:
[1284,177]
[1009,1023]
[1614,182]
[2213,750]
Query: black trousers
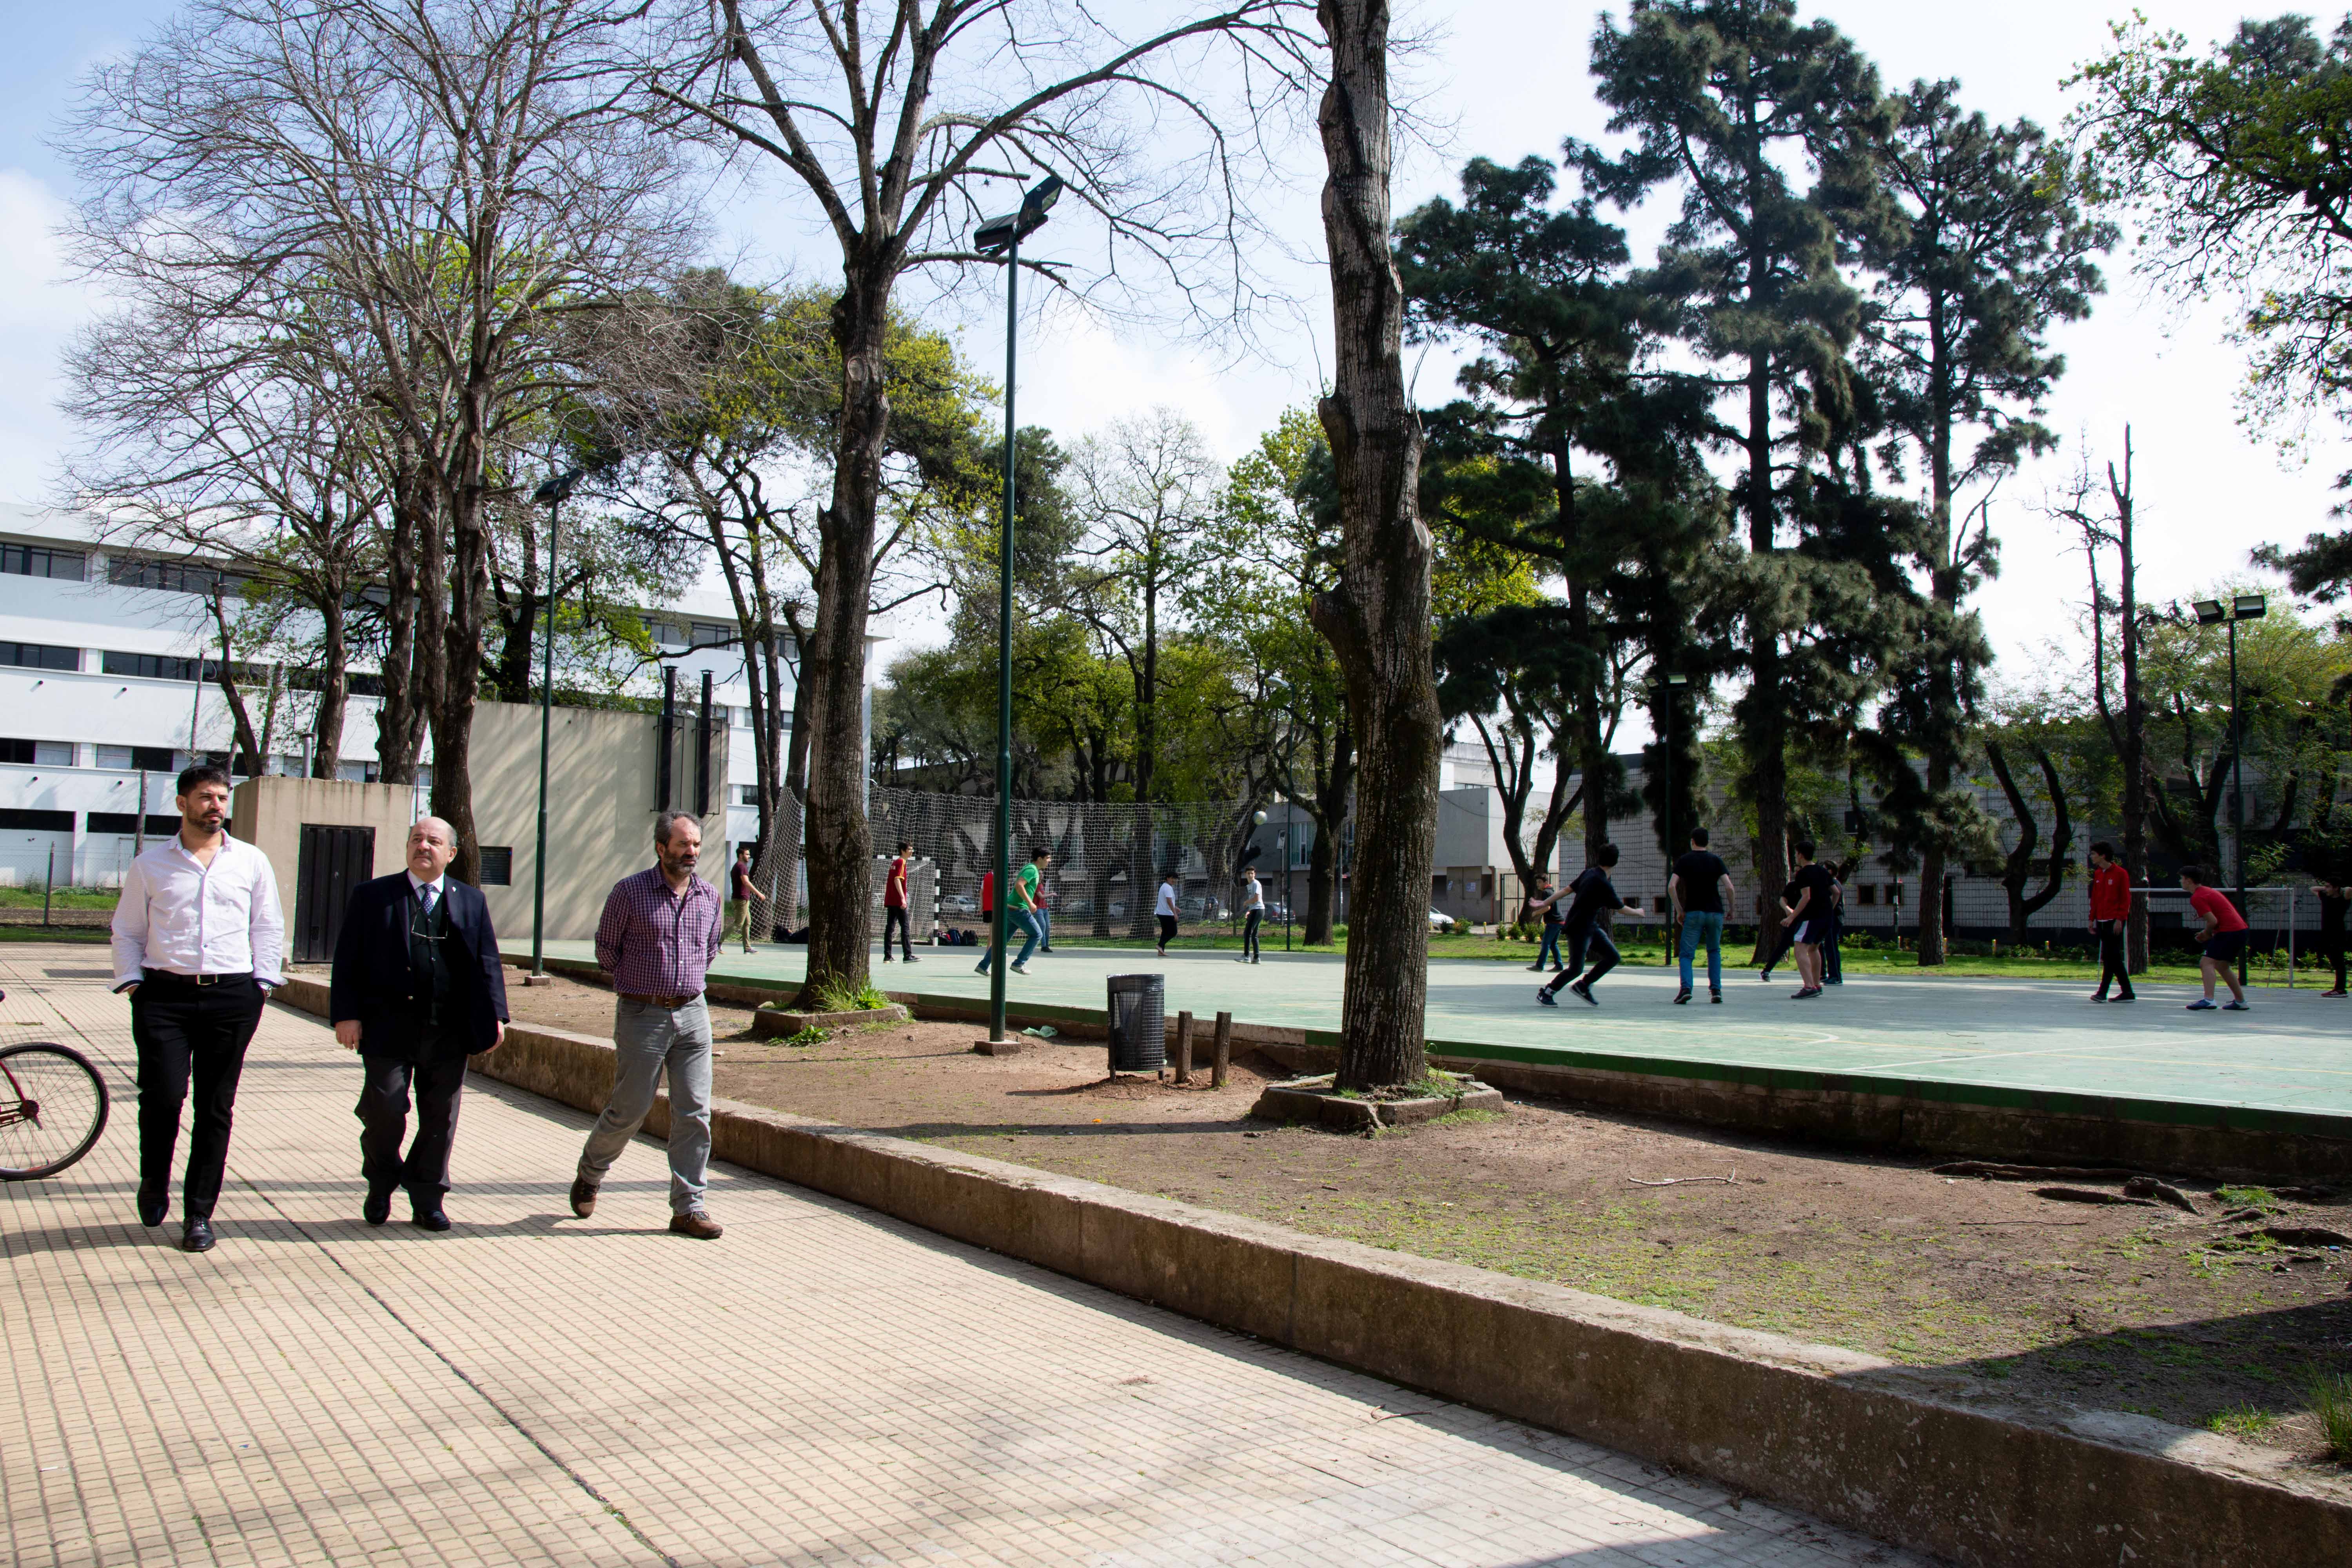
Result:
[1605,957]
[437,1084]
[185,1032]
[2111,967]
[2331,948]
[895,919]
[1249,932]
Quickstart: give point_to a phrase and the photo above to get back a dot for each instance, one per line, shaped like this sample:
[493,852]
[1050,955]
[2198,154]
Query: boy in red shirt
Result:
[2110,912]
[2222,941]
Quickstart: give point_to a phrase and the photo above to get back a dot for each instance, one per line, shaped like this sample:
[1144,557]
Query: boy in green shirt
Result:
[1021,911]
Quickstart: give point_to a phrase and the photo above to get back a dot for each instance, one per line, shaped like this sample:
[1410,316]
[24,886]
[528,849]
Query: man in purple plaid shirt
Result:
[660,931]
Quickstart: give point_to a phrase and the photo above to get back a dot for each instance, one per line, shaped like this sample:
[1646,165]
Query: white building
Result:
[101,653]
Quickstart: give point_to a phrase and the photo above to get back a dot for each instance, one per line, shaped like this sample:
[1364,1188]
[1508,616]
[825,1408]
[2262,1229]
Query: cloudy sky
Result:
[1502,78]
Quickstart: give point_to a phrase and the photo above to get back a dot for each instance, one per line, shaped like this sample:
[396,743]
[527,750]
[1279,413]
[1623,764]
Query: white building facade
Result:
[103,698]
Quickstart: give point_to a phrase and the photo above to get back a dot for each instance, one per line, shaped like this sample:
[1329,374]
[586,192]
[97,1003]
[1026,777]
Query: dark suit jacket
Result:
[374,983]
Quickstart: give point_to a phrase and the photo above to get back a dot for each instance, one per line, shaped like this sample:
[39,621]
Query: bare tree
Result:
[1377,618]
[205,438]
[463,179]
[893,117]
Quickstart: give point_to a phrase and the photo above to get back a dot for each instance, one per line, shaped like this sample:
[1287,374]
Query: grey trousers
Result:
[646,1040]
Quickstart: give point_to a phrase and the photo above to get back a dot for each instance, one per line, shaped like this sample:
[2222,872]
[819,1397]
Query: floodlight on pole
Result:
[550,494]
[1002,236]
[2213,613]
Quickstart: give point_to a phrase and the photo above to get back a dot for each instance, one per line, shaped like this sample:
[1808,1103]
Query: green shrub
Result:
[812,1036]
[2331,1401]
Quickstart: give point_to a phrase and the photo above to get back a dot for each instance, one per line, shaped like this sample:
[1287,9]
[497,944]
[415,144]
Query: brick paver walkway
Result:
[822,1386]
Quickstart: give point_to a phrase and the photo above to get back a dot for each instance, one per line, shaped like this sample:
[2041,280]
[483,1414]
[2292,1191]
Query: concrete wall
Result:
[269,814]
[602,787]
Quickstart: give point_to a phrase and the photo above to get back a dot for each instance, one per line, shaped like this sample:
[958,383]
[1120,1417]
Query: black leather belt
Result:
[173,977]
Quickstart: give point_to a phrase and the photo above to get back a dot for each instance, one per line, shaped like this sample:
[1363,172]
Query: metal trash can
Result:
[1138,1014]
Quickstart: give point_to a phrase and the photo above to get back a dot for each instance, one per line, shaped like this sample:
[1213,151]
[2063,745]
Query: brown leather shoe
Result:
[583,1197]
[697,1225]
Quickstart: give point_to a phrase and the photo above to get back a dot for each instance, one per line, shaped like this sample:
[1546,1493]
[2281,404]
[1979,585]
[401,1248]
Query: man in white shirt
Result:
[1167,911]
[198,940]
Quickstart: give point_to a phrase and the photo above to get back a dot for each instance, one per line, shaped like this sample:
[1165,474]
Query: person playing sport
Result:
[1253,911]
[2111,898]
[1805,903]
[1166,911]
[1590,896]
[2220,942]
[1548,956]
[2333,897]
[1701,889]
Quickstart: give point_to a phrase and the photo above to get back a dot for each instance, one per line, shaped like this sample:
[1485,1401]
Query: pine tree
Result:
[1993,249]
[1725,97]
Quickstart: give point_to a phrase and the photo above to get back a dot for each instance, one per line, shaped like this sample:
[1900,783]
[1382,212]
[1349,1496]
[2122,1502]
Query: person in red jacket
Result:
[2110,912]
[2222,941]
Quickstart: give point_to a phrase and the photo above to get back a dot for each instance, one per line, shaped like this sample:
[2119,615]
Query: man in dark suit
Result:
[418,988]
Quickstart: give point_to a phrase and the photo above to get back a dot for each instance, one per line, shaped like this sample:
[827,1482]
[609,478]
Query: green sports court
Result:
[1955,1038]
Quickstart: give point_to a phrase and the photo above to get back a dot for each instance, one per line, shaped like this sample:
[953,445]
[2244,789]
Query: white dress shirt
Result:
[177,913]
[416,887]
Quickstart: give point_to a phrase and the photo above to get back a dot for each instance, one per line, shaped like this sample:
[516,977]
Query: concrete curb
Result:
[1936,1462]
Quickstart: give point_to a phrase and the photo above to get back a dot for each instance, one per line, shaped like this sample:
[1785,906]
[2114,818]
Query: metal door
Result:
[334,861]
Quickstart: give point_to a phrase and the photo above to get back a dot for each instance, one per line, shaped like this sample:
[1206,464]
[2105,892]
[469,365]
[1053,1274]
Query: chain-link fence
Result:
[1109,860]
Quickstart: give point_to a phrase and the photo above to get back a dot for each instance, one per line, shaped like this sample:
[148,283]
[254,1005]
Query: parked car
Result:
[1442,922]
[961,904]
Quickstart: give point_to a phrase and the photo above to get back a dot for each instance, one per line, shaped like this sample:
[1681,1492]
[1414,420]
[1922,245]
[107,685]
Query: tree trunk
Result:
[459,687]
[398,715]
[833,662]
[1377,618]
[224,673]
[334,682]
[1333,788]
[2135,749]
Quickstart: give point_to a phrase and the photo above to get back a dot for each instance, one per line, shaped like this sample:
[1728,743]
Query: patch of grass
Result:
[812,1036]
[1465,1118]
[2240,1420]
[2248,1198]
[2331,1401]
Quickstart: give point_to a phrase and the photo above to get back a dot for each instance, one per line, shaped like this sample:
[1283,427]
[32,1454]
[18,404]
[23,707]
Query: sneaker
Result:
[2098,996]
[1766,976]
[1544,995]
[2126,997]
[697,1225]
[2202,1005]
[1020,969]
[584,1196]
[1045,949]
[1807,994]
[1716,997]
[1584,993]
[1681,997]
[2332,994]
[979,969]
[1537,967]
[2237,1007]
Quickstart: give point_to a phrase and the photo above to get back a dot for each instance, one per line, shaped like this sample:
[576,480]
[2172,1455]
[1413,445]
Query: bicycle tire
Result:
[46,1048]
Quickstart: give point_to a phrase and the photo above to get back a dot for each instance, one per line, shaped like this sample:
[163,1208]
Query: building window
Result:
[498,866]
[171,576]
[38,560]
[746,794]
[39,656]
[708,635]
[37,821]
[148,665]
[127,823]
[1866,893]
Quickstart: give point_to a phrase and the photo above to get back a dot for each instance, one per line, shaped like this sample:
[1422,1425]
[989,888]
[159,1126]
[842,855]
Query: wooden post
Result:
[1183,1047]
[1223,1058]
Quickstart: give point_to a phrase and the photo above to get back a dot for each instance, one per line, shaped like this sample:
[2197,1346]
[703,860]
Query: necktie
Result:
[424,897]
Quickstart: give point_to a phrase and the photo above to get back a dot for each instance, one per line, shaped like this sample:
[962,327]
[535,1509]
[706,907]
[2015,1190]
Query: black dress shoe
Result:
[155,1203]
[377,1209]
[197,1237]
[429,1219]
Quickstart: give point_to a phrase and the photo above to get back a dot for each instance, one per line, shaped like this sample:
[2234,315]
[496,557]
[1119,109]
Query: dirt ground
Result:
[2139,1308]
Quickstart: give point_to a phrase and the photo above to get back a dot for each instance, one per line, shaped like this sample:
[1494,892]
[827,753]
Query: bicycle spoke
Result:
[52,1108]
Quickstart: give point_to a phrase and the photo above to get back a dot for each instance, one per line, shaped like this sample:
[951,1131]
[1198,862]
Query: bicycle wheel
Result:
[52,1109]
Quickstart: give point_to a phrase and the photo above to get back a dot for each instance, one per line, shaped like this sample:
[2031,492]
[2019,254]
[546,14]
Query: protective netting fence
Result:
[1108,860]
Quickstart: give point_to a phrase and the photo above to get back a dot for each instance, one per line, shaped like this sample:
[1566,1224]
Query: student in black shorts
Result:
[1591,895]
[1808,904]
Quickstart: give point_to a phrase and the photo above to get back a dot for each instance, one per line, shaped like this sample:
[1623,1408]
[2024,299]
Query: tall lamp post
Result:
[2213,613]
[1672,684]
[1002,236]
[552,493]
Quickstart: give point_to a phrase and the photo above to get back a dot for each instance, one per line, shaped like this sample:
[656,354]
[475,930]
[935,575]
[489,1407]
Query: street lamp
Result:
[1002,236]
[552,493]
[1673,684]
[2213,613]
